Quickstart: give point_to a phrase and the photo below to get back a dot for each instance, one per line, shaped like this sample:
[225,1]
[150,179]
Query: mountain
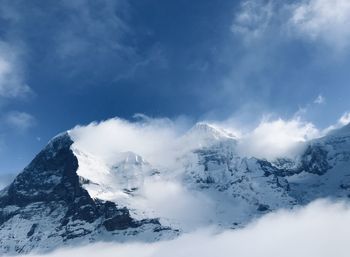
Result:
[324,168]
[67,195]
[46,206]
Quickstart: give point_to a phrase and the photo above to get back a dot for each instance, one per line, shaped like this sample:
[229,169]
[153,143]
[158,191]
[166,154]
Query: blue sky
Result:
[64,63]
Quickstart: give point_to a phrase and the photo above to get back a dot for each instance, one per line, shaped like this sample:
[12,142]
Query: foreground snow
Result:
[319,229]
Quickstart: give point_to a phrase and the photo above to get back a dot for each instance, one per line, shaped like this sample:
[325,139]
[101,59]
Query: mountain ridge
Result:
[51,203]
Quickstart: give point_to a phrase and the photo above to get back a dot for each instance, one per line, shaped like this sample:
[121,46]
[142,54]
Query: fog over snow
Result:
[320,229]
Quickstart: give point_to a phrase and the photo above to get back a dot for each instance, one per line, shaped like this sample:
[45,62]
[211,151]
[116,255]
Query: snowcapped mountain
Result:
[324,168]
[69,195]
[46,206]
[204,134]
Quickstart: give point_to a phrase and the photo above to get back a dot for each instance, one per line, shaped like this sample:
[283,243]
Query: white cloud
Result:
[21,121]
[161,141]
[345,119]
[192,210]
[320,229]
[253,19]
[12,83]
[342,121]
[320,99]
[156,140]
[324,20]
[91,27]
[276,138]
[315,20]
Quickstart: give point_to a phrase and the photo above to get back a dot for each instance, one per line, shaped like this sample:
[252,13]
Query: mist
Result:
[277,138]
[320,229]
[162,141]
[153,139]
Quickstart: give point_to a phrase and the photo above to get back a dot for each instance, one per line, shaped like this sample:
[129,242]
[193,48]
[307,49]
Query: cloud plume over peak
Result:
[276,138]
[152,138]
[162,141]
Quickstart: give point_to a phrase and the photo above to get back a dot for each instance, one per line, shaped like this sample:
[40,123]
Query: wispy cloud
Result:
[91,26]
[12,82]
[320,99]
[81,37]
[342,121]
[345,119]
[21,121]
[253,19]
[318,21]
[328,21]
[278,137]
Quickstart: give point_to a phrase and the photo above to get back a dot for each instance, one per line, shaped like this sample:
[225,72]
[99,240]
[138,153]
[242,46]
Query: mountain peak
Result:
[50,206]
[203,129]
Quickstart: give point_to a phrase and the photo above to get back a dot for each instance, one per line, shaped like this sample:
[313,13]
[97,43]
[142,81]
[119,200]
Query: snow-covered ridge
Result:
[209,131]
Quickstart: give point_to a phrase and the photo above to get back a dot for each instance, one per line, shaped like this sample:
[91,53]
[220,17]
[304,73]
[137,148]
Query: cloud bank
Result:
[153,139]
[319,229]
[162,141]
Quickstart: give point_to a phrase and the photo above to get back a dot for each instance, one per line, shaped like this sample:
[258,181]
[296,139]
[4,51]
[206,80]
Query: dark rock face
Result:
[263,207]
[123,221]
[314,160]
[269,169]
[49,177]
[50,182]
[32,230]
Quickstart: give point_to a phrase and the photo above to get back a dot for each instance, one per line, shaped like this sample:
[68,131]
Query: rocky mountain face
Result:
[67,196]
[46,206]
[323,170]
